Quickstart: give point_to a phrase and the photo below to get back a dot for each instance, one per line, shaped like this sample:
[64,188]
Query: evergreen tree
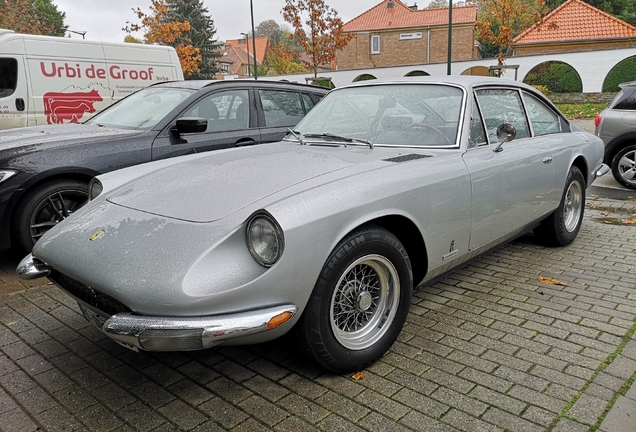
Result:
[53,16]
[201,34]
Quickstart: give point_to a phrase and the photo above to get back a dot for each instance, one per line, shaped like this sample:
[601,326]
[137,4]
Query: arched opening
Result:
[624,71]
[364,77]
[417,73]
[477,70]
[556,77]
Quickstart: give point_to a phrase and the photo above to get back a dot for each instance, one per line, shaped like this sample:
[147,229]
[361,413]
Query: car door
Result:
[14,101]
[281,110]
[511,187]
[232,122]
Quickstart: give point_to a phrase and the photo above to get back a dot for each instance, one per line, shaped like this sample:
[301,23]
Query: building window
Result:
[375,44]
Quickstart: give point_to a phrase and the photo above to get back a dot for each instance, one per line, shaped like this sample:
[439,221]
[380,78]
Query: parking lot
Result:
[489,347]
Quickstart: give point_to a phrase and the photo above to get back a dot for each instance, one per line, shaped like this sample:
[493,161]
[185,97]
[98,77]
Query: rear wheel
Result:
[624,167]
[562,226]
[360,301]
[44,207]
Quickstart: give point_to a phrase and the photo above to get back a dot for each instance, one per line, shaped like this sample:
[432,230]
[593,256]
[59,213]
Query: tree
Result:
[281,61]
[317,28]
[22,16]
[500,21]
[200,35]
[171,33]
[278,34]
[131,39]
[53,16]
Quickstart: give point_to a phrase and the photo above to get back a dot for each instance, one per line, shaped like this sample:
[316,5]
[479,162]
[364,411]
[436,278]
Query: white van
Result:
[48,80]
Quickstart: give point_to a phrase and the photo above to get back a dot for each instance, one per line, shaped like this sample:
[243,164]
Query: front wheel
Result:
[624,167]
[44,207]
[562,226]
[360,301]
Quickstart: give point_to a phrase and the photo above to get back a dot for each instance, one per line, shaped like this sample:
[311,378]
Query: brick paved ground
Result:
[488,348]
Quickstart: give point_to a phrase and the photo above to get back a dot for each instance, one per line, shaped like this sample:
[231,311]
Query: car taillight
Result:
[597,121]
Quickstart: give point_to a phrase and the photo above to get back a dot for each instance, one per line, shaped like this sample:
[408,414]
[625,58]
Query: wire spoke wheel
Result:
[53,209]
[364,302]
[572,206]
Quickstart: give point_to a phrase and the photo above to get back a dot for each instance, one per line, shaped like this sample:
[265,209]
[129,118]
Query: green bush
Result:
[556,77]
[622,72]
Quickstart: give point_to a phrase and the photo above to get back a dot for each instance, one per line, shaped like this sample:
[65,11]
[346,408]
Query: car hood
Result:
[208,187]
[40,137]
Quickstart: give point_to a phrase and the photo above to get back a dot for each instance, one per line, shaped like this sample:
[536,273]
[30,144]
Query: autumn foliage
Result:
[282,61]
[500,21]
[317,28]
[22,16]
[167,33]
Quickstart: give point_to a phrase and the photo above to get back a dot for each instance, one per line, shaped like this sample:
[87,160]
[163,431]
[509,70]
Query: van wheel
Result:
[44,207]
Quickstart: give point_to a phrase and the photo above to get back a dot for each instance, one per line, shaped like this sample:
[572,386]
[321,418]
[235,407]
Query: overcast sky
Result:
[104,19]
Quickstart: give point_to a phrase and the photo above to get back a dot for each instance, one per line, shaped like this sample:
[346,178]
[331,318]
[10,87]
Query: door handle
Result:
[19,104]
[245,143]
[547,159]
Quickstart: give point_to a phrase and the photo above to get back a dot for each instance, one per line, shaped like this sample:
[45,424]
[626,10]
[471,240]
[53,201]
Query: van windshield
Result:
[143,109]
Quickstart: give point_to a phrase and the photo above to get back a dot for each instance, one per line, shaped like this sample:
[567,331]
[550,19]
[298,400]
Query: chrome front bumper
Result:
[148,333]
[32,268]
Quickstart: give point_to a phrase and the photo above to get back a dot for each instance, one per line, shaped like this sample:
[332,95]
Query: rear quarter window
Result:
[625,99]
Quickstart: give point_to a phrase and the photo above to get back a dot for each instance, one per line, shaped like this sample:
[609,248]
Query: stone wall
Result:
[581,98]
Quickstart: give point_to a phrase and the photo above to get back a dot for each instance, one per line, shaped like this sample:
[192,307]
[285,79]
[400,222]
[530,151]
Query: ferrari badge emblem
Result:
[97,235]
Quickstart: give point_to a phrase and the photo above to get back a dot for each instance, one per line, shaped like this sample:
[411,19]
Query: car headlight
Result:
[264,239]
[6,174]
[94,189]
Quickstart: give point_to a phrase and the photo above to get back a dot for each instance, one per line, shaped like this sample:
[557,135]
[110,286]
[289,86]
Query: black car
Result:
[45,170]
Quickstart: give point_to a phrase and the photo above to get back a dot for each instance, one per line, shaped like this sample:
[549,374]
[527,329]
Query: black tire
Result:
[341,326]
[562,226]
[624,167]
[43,208]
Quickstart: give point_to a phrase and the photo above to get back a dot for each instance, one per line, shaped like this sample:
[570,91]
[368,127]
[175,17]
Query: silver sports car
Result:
[382,187]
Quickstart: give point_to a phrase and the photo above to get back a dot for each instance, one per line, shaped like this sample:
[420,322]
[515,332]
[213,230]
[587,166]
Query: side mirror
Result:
[189,125]
[506,132]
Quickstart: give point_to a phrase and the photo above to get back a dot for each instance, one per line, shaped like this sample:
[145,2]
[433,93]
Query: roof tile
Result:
[381,17]
[576,20]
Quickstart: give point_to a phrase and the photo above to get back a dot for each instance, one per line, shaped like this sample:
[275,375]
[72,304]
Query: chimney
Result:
[390,4]
[414,7]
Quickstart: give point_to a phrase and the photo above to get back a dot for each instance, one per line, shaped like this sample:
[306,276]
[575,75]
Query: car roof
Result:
[199,84]
[466,81]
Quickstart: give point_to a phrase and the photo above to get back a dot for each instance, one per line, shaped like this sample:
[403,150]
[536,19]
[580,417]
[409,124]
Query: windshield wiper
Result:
[341,138]
[298,136]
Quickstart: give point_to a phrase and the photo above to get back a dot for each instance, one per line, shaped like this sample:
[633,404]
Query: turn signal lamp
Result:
[279,319]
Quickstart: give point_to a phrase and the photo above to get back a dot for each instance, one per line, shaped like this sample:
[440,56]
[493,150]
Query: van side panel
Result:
[67,81]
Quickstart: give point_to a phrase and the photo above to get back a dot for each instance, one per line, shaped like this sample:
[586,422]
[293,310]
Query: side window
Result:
[375,44]
[281,108]
[477,135]
[626,99]
[500,106]
[308,101]
[8,76]
[224,111]
[544,120]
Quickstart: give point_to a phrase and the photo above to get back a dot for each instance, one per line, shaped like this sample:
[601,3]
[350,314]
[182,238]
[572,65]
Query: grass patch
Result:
[581,111]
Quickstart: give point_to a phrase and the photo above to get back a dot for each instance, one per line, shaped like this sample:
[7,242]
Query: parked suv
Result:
[45,170]
[616,126]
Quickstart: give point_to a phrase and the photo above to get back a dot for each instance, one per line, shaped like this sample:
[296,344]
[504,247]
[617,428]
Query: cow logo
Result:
[69,107]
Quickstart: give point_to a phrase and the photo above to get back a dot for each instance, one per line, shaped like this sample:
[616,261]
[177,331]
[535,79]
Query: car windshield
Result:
[397,114]
[143,109]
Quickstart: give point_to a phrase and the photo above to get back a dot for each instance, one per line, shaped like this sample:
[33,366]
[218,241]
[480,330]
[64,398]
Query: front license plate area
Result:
[94,318]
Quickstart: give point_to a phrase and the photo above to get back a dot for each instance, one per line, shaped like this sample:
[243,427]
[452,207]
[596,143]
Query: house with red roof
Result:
[394,34]
[575,26]
[239,53]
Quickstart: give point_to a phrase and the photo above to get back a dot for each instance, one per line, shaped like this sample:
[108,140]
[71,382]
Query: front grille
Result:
[88,295]
[406,158]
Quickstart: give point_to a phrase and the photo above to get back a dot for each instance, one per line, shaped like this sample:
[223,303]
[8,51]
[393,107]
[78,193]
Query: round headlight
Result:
[94,189]
[264,239]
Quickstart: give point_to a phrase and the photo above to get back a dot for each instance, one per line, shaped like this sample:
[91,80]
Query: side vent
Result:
[406,158]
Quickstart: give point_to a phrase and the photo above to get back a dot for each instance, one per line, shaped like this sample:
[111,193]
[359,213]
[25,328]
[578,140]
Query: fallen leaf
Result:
[551,281]
[606,213]
[592,205]
[358,376]
[630,222]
